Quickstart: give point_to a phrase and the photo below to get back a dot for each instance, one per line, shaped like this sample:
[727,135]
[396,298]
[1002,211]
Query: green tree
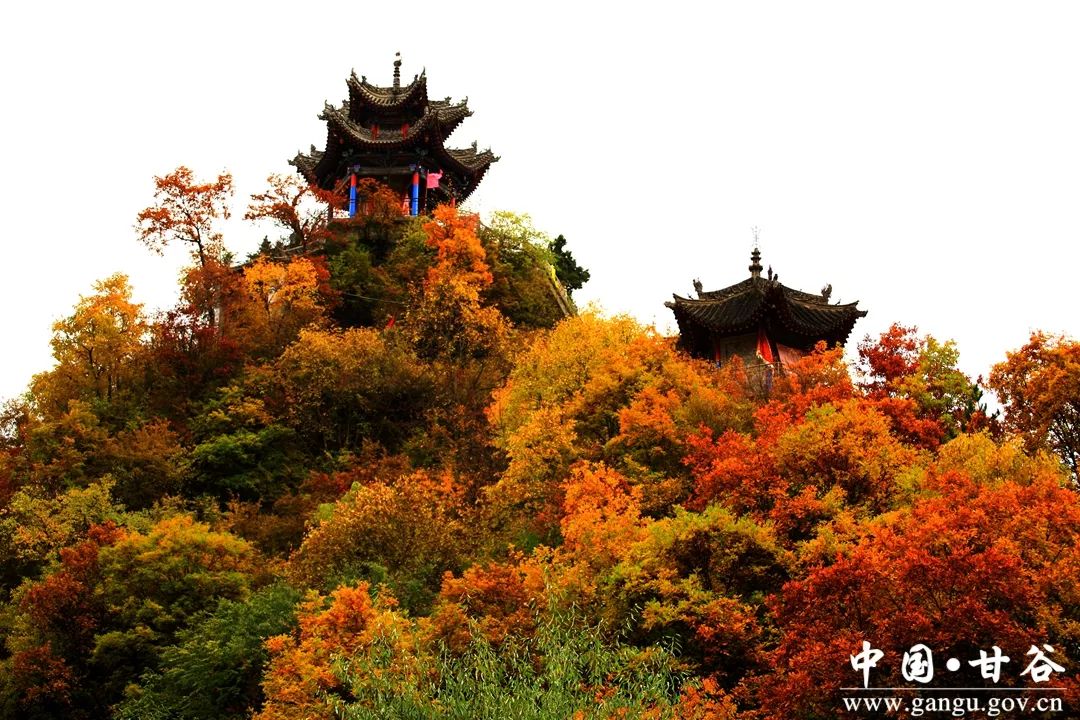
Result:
[571,275]
[214,670]
[156,584]
[241,450]
[523,287]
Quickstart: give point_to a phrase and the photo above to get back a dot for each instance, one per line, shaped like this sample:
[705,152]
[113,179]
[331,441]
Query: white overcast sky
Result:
[923,157]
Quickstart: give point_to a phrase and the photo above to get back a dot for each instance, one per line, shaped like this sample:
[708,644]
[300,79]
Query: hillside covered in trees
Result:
[383,469]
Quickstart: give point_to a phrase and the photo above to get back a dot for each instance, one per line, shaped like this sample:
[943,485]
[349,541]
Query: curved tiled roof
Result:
[444,120]
[305,164]
[726,292]
[386,97]
[469,159]
[801,317]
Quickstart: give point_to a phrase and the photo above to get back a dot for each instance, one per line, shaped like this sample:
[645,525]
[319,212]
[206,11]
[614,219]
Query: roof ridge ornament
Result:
[397,70]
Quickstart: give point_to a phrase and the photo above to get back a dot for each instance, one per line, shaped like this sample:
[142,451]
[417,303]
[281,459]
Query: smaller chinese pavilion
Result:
[760,320]
[396,135]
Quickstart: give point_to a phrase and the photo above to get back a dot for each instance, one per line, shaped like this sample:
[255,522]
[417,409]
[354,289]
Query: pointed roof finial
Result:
[755,256]
[397,69]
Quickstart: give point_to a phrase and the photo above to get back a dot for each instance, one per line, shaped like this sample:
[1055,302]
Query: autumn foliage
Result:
[294,206]
[1039,384]
[382,468]
[186,210]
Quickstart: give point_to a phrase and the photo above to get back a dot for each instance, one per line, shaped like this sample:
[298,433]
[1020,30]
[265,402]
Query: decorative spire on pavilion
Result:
[755,263]
[397,136]
[755,256]
[760,320]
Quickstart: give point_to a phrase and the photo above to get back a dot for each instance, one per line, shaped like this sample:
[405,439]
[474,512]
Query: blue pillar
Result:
[352,196]
[415,207]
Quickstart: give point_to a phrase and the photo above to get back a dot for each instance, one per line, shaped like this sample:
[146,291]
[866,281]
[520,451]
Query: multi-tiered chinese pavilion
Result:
[760,320]
[396,135]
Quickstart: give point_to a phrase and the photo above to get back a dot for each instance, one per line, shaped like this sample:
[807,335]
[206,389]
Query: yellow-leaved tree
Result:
[96,349]
[280,299]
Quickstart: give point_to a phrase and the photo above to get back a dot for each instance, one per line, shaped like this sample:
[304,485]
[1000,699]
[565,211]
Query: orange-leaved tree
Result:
[186,210]
[1039,385]
[463,338]
[818,448]
[296,207]
[459,254]
[449,321]
[969,567]
[347,629]
[494,601]
[601,517]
